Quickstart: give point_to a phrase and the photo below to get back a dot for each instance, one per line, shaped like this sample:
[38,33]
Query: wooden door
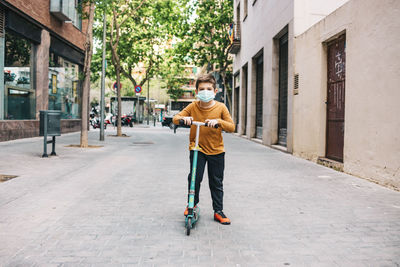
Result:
[335,99]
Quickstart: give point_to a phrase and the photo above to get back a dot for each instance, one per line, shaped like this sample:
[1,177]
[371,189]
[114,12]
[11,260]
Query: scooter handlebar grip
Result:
[181,122]
[215,126]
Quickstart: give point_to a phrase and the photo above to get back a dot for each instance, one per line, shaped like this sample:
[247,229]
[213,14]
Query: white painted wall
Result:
[265,20]
[372,95]
[309,12]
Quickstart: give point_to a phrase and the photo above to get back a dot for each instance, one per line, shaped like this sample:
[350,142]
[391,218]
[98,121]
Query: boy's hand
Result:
[187,120]
[211,123]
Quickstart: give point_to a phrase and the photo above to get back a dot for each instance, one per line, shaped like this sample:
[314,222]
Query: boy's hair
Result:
[206,78]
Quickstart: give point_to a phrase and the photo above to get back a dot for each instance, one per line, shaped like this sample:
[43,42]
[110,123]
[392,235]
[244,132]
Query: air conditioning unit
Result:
[63,10]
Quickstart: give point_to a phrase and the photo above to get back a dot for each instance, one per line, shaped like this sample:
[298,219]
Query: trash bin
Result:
[50,125]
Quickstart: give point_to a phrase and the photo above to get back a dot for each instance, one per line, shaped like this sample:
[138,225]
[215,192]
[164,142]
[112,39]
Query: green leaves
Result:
[158,37]
[140,32]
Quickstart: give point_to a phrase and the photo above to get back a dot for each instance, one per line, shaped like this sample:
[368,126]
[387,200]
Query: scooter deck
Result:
[195,217]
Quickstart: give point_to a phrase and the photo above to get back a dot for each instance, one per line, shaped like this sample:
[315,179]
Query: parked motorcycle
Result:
[125,120]
[95,122]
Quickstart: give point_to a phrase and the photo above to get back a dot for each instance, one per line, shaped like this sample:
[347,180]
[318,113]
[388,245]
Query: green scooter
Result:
[193,213]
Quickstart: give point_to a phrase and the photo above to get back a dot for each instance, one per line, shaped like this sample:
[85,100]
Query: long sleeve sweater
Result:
[210,139]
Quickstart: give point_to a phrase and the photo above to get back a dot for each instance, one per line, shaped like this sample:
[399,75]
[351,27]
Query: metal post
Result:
[45,136]
[138,110]
[103,76]
[148,101]
[53,147]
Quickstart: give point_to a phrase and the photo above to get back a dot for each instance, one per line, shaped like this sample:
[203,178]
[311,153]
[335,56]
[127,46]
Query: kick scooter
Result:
[193,213]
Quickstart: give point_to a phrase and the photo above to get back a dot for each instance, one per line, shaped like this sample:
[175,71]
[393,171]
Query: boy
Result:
[210,141]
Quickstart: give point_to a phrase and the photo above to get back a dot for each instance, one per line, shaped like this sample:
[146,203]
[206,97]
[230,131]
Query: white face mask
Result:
[206,95]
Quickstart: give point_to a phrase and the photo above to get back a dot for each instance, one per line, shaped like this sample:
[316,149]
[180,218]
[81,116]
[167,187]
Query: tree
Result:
[86,72]
[207,41]
[172,70]
[138,34]
[120,17]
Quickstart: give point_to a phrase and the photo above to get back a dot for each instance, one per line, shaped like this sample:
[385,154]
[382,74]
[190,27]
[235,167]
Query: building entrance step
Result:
[336,165]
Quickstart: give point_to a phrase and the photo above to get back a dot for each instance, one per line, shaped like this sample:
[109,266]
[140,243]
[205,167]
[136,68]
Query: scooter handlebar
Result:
[182,123]
[215,126]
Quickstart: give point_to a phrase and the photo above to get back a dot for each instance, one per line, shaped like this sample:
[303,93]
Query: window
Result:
[78,14]
[64,89]
[238,15]
[245,9]
[19,100]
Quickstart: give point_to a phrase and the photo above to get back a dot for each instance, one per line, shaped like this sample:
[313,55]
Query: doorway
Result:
[236,81]
[244,83]
[335,99]
[259,95]
[283,90]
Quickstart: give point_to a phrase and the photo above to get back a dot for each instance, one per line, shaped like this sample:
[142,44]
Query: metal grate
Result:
[283,89]
[142,143]
[259,90]
[2,21]
[296,81]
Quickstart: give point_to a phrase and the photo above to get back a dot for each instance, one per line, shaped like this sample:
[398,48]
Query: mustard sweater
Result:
[210,139]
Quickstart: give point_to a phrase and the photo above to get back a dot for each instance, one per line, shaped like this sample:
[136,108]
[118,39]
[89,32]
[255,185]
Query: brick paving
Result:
[122,205]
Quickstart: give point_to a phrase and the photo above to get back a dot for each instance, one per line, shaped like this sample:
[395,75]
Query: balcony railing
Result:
[234,36]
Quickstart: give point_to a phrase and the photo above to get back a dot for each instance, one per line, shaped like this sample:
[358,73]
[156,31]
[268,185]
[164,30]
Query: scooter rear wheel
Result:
[188,226]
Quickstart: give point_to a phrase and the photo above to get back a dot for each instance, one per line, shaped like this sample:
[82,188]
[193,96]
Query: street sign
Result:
[115,86]
[138,89]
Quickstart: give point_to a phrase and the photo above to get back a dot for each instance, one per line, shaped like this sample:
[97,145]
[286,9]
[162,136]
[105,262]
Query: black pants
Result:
[215,168]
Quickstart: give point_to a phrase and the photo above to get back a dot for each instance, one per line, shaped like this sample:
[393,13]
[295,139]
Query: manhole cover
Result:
[114,135]
[89,146]
[5,178]
[144,143]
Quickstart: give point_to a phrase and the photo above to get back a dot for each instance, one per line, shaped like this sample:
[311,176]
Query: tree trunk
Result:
[119,131]
[86,81]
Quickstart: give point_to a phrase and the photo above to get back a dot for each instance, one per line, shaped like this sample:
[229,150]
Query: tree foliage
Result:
[138,33]
[207,40]
[145,29]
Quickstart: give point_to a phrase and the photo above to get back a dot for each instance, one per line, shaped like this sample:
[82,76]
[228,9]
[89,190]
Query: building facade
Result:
[263,44]
[41,55]
[347,107]
[319,79]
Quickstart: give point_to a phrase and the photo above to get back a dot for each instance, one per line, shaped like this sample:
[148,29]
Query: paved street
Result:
[122,205]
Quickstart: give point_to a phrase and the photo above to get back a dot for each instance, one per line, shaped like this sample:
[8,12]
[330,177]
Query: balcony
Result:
[63,10]
[234,36]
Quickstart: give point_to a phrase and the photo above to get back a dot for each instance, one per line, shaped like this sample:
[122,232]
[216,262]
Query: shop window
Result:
[64,89]
[18,86]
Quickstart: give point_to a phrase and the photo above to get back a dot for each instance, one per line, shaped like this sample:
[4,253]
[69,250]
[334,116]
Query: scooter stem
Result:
[194,166]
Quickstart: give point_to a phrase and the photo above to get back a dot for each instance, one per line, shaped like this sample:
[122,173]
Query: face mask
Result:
[206,95]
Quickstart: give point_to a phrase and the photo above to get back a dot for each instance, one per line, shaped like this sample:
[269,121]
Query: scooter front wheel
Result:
[188,226]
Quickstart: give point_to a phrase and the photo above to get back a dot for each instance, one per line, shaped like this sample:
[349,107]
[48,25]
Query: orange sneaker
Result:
[220,217]
[187,210]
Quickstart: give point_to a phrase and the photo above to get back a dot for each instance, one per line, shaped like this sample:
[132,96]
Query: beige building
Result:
[263,44]
[347,107]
